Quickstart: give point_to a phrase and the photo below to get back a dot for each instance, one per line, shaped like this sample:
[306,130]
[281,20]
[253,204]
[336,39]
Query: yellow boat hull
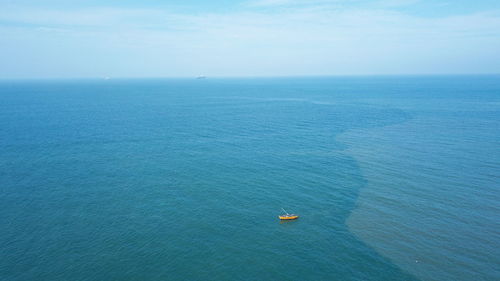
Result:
[293,217]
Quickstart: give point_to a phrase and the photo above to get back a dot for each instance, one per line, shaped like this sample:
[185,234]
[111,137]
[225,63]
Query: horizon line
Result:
[106,78]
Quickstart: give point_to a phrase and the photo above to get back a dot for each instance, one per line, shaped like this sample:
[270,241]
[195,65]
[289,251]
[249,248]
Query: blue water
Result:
[395,178]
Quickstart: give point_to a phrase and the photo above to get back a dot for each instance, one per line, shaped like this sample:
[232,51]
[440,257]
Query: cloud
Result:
[267,3]
[317,39]
[292,3]
[395,3]
[343,3]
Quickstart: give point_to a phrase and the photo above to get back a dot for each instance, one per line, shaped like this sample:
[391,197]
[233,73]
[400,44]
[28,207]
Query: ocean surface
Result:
[394,178]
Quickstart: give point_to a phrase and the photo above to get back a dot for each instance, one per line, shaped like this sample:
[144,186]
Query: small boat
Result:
[288,216]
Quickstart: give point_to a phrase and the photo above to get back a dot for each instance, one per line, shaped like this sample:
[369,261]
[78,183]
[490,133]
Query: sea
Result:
[393,177]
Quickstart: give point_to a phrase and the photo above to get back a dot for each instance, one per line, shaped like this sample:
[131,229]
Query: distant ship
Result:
[201,77]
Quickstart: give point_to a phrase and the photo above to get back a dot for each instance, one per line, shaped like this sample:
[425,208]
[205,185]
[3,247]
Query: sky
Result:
[187,38]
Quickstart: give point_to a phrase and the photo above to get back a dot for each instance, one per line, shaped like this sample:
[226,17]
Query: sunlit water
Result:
[395,178]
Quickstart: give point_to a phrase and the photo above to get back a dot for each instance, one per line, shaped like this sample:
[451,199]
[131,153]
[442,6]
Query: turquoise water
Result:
[395,178]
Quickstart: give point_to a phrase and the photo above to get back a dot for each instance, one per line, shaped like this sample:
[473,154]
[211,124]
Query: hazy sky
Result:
[148,38]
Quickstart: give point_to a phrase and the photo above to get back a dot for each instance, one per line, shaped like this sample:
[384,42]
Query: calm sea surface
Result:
[395,178]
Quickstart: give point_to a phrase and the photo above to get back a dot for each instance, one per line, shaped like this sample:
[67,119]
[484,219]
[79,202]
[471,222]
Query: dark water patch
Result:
[429,203]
